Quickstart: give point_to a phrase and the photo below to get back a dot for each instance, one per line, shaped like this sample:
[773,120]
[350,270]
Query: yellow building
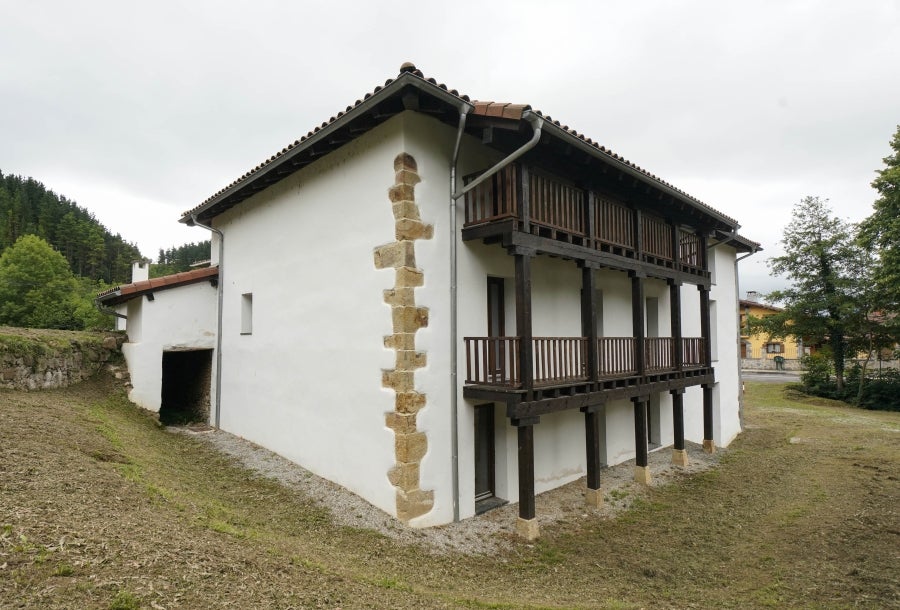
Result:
[761,346]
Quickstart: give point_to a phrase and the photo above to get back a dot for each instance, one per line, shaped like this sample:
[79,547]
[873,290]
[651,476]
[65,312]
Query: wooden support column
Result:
[523,192]
[523,319]
[679,454]
[675,312]
[590,218]
[638,235]
[641,469]
[526,524]
[709,444]
[593,496]
[637,322]
[589,321]
[676,245]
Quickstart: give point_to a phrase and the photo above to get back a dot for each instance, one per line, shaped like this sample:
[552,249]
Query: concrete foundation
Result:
[680,457]
[527,528]
[642,475]
[709,446]
[593,497]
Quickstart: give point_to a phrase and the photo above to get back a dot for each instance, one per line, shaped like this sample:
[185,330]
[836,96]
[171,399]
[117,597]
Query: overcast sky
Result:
[140,111]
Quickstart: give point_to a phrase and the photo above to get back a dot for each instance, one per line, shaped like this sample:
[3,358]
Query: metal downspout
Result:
[537,123]
[221,292]
[454,389]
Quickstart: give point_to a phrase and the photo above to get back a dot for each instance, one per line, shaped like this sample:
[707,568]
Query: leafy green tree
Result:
[824,263]
[36,286]
[880,233]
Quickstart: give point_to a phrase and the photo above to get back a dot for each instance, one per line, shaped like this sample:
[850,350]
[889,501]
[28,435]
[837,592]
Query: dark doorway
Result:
[484,453]
[186,378]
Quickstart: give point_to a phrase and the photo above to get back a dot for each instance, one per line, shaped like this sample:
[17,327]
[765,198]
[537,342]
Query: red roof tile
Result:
[503,110]
[120,294]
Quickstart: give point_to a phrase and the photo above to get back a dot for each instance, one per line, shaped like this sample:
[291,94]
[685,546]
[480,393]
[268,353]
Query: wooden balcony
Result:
[534,202]
[557,361]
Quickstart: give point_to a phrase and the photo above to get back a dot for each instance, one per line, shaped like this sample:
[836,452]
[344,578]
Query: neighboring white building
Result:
[171,327]
[569,311]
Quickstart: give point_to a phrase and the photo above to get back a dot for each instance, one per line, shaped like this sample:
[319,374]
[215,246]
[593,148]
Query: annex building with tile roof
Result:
[465,303]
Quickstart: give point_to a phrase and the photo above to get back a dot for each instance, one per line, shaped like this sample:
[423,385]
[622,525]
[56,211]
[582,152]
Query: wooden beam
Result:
[592,447]
[523,320]
[678,417]
[589,321]
[640,431]
[526,471]
[637,322]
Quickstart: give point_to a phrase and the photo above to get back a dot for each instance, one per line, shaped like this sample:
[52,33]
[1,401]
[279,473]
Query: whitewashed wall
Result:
[727,417]
[178,318]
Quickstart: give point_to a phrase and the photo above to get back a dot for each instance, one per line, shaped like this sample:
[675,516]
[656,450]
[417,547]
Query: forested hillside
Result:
[55,256]
[28,207]
[180,258]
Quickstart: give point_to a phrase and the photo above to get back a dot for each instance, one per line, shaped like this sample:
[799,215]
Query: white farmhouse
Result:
[444,305]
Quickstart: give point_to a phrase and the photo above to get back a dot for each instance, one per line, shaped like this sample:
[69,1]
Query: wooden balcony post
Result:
[676,245]
[705,324]
[637,322]
[589,321]
[526,524]
[593,496]
[638,236]
[709,444]
[523,192]
[675,309]
[641,469]
[679,455]
[590,219]
[523,318]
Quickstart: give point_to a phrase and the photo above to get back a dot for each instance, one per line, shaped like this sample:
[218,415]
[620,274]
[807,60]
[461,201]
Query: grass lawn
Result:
[101,508]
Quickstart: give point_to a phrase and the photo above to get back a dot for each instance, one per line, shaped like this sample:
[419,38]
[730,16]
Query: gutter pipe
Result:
[537,124]
[221,292]
[454,390]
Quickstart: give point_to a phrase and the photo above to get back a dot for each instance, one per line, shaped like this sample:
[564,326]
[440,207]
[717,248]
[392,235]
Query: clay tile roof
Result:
[120,294]
[502,110]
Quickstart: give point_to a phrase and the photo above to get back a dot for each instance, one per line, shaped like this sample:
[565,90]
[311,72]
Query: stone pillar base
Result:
[642,474]
[709,445]
[527,528]
[680,457]
[593,497]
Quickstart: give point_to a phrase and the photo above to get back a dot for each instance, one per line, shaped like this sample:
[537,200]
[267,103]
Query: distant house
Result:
[759,350]
[444,305]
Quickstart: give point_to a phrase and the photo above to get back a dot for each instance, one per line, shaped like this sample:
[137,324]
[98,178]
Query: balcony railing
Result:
[494,361]
[558,209]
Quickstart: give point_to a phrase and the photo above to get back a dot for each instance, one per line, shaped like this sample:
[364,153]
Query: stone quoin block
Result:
[409,278]
[410,444]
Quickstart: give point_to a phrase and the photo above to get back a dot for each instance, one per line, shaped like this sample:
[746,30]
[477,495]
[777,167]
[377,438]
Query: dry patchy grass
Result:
[101,508]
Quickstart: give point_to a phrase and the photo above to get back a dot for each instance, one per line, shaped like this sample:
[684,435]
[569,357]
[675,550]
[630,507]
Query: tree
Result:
[37,287]
[880,232]
[824,263]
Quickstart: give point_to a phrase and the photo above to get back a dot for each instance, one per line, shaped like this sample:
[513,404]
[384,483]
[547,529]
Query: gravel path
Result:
[478,535]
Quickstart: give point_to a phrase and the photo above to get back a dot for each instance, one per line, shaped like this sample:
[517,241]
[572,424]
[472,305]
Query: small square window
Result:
[774,348]
[247,313]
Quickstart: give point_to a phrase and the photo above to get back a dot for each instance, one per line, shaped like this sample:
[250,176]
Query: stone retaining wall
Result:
[35,359]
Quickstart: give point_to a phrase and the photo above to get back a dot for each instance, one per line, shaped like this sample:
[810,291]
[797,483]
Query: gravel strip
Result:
[482,534]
